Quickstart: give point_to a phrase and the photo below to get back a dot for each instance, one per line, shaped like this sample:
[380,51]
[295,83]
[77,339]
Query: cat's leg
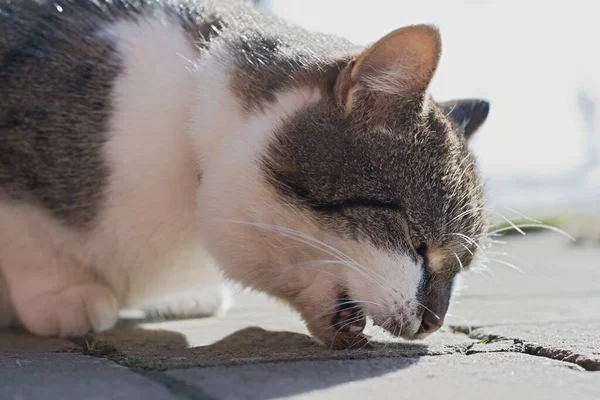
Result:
[186,284]
[52,294]
[194,303]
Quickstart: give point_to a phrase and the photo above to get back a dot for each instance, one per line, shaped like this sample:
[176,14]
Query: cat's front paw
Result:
[204,302]
[74,311]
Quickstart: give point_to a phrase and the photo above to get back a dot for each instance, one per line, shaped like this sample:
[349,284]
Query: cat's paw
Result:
[74,311]
[206,302]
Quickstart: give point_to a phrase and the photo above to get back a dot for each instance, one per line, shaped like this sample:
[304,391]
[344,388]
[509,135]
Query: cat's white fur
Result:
[146,246]
[173,120]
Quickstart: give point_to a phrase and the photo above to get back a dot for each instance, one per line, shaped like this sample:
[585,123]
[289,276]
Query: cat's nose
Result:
[430,322]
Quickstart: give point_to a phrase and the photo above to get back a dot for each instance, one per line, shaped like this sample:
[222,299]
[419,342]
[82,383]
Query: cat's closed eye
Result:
[306,197]
[358,202]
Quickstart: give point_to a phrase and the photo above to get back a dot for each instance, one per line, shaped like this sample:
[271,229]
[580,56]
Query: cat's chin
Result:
[349,316]
[332,317]
[343,329]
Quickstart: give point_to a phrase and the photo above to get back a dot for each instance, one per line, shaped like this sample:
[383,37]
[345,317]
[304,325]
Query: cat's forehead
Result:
[400,147]
[418,162]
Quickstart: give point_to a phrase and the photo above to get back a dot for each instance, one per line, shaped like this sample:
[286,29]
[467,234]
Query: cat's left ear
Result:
[399,65]
[469,114]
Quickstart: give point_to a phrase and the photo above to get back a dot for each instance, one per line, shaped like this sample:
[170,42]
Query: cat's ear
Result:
[401,63]
[469,114]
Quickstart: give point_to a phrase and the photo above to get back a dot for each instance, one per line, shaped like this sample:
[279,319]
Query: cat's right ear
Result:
[401,63]
[468,114]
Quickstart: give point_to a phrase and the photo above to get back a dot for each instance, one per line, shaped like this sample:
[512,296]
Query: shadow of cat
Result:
[251,360]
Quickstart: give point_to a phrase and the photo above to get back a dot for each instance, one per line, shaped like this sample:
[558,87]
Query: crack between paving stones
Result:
[180,389]
[525,347]
[175,386]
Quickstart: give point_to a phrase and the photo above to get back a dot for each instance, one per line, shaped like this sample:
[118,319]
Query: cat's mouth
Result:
[349,317]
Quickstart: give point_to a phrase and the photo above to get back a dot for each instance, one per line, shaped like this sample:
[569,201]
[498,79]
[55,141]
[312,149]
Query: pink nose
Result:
[430,322]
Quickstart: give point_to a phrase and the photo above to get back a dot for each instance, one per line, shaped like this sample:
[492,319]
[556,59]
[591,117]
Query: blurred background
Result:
[534,61]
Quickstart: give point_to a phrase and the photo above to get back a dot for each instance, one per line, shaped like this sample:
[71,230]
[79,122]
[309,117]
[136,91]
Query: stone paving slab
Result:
[65,376]
[550,264]
[560,283]
[479,376]
[515,310]
[577,343]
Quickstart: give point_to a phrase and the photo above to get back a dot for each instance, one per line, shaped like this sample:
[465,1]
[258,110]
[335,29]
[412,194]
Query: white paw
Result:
[206,302]
[74,311]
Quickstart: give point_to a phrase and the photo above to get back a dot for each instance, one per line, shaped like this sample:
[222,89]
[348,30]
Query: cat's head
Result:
[366,200]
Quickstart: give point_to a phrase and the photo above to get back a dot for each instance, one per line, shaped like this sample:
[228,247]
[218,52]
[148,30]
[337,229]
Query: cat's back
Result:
[60,65]
[56,77]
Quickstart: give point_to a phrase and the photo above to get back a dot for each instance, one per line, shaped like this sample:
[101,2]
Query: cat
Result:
[150,151]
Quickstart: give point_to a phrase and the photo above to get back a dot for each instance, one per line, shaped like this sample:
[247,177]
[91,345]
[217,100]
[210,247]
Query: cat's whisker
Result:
[331,312]
[465,158]
[327,262]
[484,272]
[349,264]
[537,226]
[458,170]
[315,243]
[402,324]
[335,262]
[535,221]
[358,304]
[349,323]
[467,195]
[300,237]
[508,221]
[322,271]
[469,240]
[278,228]
[489,240]
[344,263]
[466,248]
[512,256]
[510,265]
[421,305]
[462,174]
[293,208]
[334,309]
[381,331]
[462,267]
